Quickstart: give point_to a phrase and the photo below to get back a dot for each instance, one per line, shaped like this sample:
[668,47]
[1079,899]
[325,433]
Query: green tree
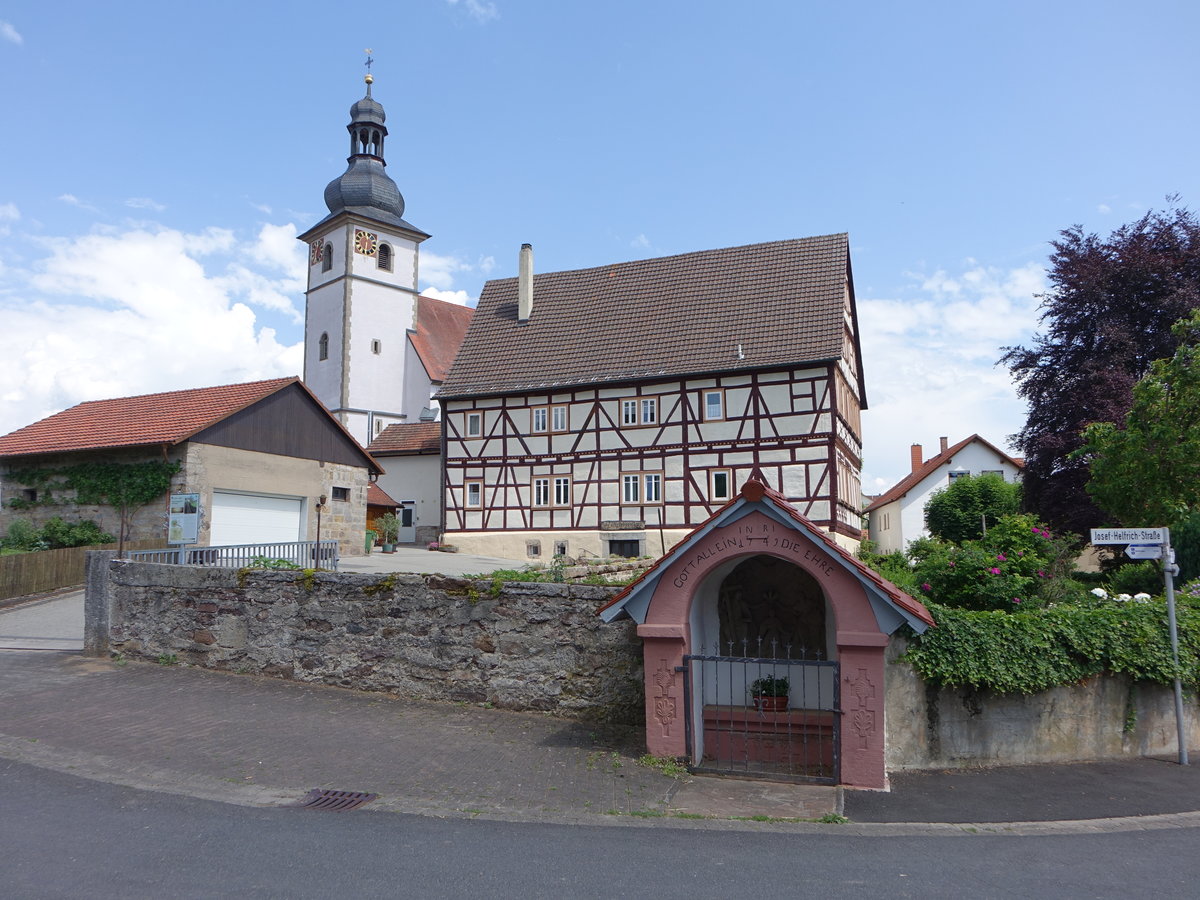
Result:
[1147,473]
[970,504]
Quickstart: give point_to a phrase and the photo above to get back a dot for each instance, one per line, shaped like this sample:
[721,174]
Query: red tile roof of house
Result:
[734,309]
[377,496]
[439,332]
[408,439]
[166,418]
[912,479]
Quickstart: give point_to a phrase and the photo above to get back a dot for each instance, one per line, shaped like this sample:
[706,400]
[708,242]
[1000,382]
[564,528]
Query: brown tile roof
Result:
[377,496]
[166,418]
[439,332]
[912,479]
[781,302]
[408,439]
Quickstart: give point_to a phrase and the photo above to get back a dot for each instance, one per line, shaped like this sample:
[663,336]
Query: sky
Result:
[159,159]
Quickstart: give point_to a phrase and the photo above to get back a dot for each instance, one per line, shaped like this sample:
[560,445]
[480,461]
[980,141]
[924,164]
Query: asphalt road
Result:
[64,836]
[52,623]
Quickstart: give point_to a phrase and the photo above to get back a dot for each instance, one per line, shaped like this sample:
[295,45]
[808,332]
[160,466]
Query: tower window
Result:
[323,346]
[376,346]
[384,257]
[327,260]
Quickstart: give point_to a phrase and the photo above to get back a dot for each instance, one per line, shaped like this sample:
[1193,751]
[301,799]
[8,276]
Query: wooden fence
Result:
[48,570]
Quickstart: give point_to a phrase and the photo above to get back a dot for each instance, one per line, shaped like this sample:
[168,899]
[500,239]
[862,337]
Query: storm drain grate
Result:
[334,801]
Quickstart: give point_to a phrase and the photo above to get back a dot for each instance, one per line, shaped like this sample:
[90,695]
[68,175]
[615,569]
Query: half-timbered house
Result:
[610,410]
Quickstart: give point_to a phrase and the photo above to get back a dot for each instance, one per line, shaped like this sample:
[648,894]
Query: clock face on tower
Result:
[315,251]
[366,243]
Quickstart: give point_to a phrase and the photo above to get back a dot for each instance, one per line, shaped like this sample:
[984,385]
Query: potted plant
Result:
[389,529]
[770,693]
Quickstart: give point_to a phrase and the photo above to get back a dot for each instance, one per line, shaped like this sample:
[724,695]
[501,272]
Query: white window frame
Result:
[541,492]
[719,394]
[562,490]
[713,493]
[631,488]
[652,485]
[629,411]
[475,487]
[648,408]
[476,418]
[539,420]
[559,420]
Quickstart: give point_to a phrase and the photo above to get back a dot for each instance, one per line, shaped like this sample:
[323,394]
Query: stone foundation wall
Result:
[1106,717]
[528,646]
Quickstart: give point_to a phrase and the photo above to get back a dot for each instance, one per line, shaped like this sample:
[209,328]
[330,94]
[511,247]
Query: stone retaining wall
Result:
[528,646]
[1106,717]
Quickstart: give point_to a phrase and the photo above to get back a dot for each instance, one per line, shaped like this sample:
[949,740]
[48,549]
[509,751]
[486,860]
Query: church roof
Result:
[165,418]
[440,328]
[738,308]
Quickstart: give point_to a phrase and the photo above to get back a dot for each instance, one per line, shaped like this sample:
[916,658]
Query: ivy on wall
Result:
[1030,651]
[126,487]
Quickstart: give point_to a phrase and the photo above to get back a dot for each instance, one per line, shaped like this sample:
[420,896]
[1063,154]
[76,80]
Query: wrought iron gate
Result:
[733,729]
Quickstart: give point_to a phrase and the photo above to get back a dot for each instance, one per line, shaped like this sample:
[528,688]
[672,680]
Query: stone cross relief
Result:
[664,704]
[862,719]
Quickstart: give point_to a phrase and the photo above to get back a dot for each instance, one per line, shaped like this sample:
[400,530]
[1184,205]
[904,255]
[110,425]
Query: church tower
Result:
[361,300]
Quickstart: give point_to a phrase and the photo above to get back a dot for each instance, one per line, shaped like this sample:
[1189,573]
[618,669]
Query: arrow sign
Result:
[1144,551]
[1128,535]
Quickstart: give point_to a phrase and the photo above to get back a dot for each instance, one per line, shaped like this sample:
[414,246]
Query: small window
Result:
[323,347]
[999,472]
[562,491]
[383,257]
[720,484]
[649,410]
[627,548]
[378,425]
[560,548]
[631,488]
[539,420]
[714,406]
[558,418]
[474,494]
[541,492]
[533,549]
[629,412]
[326,260]
[340,493]
[474,424]
[376,346]
[653,485]
[958,474]
[29,495]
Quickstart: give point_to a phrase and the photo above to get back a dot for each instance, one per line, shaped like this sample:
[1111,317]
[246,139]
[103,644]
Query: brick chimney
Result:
[945,442]
[918,457]
[525,284]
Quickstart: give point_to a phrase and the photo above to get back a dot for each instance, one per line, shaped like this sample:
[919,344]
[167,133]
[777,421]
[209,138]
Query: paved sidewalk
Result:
[261,741]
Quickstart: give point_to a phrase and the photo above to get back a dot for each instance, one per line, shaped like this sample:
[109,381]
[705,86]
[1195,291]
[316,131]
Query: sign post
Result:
[1155,543]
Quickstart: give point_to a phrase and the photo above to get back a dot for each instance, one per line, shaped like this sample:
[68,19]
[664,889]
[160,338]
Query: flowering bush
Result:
[1017,564]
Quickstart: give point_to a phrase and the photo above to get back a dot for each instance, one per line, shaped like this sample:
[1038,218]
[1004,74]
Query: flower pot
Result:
[770,704]
[389,548]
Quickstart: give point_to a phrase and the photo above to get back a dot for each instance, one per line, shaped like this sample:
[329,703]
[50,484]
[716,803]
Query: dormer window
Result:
[384,257]
[327,260]
[323,346]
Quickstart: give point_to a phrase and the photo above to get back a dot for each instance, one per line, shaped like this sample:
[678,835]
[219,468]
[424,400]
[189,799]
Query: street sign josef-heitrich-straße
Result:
[1128,535]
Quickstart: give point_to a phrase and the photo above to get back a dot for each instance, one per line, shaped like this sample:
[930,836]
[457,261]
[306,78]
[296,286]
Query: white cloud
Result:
[144,203]
[438,271]
[9,212]
[112,313]
[10,34]
[462,298]
[486,264]
[641,242]
[72,200]
[480,10]
[930,364]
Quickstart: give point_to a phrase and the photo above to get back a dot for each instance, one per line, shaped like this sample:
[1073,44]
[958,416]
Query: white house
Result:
[897,516]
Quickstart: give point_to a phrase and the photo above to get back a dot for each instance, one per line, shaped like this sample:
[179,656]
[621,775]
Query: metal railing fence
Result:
[304,554]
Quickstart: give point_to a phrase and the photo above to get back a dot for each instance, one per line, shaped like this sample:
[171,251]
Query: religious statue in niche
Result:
[770,607]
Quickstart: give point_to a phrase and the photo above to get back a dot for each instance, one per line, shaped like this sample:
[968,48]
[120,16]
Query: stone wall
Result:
[529,646]
[1105,717]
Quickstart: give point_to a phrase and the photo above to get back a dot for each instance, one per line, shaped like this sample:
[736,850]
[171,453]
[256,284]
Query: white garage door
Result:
[254,519]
